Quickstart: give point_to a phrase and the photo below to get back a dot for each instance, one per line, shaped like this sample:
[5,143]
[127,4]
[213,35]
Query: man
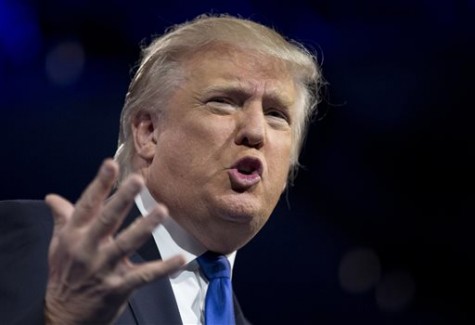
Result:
[210,136]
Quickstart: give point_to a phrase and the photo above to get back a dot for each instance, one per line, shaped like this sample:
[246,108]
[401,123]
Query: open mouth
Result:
[249,166]
[245,173]
[246,170]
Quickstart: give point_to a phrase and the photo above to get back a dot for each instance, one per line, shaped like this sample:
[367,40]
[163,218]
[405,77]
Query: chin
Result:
[234,221]
[226,242]
[240,208]
[229,232]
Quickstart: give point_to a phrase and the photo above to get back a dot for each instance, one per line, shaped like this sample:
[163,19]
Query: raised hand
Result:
[90,274]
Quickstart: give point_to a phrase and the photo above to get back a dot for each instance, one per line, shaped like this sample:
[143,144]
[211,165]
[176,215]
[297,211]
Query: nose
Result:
[251,127]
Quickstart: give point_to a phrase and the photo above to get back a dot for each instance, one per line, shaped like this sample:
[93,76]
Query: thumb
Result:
[61,209]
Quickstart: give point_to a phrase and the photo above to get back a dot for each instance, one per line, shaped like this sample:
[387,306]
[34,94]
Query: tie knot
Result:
[214,265]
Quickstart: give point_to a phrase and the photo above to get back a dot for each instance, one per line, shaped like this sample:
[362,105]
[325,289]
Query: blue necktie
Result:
[219,308]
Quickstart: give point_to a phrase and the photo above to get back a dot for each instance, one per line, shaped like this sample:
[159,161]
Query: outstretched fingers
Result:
[89,267]
[114,211]
[91,200]
[145,273]
[136,235]
[133,237]
[61,209]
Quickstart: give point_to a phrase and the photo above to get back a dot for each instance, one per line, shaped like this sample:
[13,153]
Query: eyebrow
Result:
[242,91]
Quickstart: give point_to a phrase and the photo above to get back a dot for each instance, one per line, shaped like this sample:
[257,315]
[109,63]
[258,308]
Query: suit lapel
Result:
[238,314]
[155,302]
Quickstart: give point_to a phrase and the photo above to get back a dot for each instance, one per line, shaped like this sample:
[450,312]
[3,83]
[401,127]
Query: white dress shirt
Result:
[188,284]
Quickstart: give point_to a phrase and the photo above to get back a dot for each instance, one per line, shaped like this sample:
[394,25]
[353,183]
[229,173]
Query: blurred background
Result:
[378,227]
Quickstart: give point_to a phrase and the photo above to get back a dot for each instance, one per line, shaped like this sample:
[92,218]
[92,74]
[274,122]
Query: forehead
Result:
[239,68]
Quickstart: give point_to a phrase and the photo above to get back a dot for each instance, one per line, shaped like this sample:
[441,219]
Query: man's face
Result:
[223,146]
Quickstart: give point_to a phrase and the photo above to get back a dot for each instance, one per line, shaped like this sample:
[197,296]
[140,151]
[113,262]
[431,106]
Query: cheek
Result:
[185,152]
[279,166]
[169,157]
[280,158]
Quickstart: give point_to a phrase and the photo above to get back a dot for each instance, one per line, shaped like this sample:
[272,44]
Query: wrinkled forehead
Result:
[247,69]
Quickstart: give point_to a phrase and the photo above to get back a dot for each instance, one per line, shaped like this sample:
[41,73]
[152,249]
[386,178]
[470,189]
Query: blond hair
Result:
[161,69]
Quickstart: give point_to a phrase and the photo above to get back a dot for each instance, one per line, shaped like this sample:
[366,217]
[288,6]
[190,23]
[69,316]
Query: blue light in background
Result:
[20,37]
[65,63]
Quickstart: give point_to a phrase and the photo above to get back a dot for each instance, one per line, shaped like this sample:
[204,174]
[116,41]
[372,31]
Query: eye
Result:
[278,115]
[220,105]
[219,100]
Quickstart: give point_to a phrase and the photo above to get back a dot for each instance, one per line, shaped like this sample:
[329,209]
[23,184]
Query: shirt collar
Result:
[170,237]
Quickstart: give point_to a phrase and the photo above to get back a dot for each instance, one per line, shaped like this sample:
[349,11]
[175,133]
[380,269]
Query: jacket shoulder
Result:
[25,232]
[24,215]
[23,207]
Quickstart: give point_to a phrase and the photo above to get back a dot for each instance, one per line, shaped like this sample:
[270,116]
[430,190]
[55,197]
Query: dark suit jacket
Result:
[25,233]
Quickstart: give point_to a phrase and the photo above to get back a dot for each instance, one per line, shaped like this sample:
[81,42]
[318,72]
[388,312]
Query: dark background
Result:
[378,228]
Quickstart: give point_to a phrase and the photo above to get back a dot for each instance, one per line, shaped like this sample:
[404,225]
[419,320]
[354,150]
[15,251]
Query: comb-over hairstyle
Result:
[161,70]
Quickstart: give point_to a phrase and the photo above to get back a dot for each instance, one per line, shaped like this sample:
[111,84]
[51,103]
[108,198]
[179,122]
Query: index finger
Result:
[114,211]
[90,202]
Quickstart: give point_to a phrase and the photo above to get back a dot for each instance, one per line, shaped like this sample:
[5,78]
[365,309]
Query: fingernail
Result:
[107,171]
[162,208]
[157,218]
[159,214]
[135,185]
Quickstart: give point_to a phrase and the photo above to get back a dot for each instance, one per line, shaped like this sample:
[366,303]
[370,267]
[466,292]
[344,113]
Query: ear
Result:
[143,130]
